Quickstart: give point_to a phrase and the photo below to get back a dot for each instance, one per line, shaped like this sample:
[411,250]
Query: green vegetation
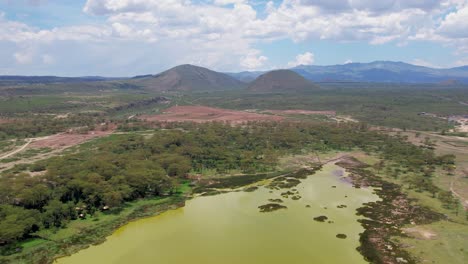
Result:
[51,243]
[271,207]
[440,242]
[378,104]
[88,191]
[37,103]
[45,125]
[131,167]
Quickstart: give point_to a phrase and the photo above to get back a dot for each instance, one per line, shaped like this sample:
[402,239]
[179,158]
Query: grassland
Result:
[443,144]
[440,242]
[378,104]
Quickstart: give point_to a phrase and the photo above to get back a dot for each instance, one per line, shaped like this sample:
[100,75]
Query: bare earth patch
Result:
[201,114]
[300,112]
[57,143]
[5,120]
[65,140]
[420,233]
[462,123]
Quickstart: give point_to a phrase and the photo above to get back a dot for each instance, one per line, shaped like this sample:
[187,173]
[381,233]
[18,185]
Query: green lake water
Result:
[229,229]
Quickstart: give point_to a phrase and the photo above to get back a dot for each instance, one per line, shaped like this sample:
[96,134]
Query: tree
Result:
[16,222]
[112,199]
[57,212]
[379,166]
[35,197]
[447,199]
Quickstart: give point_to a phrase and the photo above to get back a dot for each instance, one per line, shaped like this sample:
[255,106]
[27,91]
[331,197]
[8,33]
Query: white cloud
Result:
[455,25]
[212,33]
[421,62]
[461,62]
[306,58]
[348,62]
[25,57]
[253,61]
[48,59]
[228,2]
[380,6]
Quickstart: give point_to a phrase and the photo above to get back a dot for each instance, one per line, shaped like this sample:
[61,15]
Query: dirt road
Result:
[460,197]
[17,150]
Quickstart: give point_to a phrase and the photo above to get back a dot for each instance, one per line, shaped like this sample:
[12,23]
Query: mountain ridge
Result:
[377,71]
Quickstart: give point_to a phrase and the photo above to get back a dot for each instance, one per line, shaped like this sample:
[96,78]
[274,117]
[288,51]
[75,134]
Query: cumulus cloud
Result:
[253,61]
[228,2]
[422,62]
[224,33]
[379,6]
[25,57]
[48,59]
[306,58]
[455,25]
[336,5]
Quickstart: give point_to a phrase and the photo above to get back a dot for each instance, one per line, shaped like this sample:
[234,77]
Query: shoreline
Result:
[385,219]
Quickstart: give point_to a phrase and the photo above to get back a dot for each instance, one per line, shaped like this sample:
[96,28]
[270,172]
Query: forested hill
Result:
[187,78]
[281,81]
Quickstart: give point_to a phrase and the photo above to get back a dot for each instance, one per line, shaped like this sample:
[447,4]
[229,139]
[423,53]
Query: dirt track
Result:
[300,112]
[463,200]
[57,143]
[17,150]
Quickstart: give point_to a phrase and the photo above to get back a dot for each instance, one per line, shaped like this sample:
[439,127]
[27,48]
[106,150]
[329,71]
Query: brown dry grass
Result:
[202,114]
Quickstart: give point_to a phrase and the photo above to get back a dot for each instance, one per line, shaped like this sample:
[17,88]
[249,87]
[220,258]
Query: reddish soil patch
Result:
[201,114]
[69,139]
[4,120]
[300,112]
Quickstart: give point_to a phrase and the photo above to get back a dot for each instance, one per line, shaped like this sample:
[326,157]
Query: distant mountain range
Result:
[246,76]
[379,71]
[194,78]
[16,79]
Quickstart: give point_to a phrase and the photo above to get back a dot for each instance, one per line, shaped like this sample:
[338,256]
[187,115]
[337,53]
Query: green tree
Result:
[17,222]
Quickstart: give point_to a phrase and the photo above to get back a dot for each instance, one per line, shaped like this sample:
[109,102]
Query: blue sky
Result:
[131,37]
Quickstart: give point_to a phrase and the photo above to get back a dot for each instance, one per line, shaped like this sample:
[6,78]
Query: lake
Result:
[228,228]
